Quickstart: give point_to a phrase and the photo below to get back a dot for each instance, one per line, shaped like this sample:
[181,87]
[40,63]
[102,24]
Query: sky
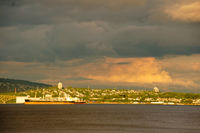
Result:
[131,44]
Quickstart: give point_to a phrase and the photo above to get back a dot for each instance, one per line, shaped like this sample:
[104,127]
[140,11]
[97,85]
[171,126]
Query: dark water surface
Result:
[99,118]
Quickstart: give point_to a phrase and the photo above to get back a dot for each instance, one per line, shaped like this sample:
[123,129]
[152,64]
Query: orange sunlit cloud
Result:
[132,71]
[176,10]
[182,63]
[185,12]
[138,70]
[121,71]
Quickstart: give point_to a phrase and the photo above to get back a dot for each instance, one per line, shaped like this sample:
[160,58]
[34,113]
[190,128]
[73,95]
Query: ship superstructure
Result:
[47,98]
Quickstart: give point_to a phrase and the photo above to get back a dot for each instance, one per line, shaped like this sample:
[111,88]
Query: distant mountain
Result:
[9,85]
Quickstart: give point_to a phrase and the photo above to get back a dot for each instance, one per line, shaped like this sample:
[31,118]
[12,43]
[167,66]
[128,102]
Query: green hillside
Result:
[9,85]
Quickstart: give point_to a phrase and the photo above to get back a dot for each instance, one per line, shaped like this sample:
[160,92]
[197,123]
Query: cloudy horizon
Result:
[104,44]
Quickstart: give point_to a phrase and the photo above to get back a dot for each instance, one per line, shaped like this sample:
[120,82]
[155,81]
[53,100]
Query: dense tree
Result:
[9,85]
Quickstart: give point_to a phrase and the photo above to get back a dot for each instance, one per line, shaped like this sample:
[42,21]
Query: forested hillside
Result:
[9,85]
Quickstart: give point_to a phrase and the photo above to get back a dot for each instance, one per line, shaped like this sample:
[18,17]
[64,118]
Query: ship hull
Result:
[80,103]
[48,102]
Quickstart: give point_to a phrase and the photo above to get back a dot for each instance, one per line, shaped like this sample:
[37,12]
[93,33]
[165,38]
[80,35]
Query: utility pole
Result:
[36,92]
[51,95]
[43,93]
[59,94]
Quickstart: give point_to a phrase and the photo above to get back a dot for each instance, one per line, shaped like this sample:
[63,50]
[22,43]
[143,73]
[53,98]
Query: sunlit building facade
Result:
[59,85]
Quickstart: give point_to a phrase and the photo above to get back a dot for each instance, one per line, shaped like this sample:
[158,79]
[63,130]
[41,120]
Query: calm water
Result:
[99,118]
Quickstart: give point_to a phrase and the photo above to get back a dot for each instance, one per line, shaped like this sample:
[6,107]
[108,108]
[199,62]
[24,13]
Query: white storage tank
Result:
[155,89]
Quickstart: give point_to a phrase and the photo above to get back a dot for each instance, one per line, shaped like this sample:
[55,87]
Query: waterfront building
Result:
[21,99]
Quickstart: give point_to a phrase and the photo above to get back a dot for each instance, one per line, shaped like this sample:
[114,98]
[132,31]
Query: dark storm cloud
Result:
[78,78]
[155,41]
[55,12]
[46,31]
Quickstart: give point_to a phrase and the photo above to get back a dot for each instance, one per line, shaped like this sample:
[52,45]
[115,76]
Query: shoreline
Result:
[104,104]
[145,104]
